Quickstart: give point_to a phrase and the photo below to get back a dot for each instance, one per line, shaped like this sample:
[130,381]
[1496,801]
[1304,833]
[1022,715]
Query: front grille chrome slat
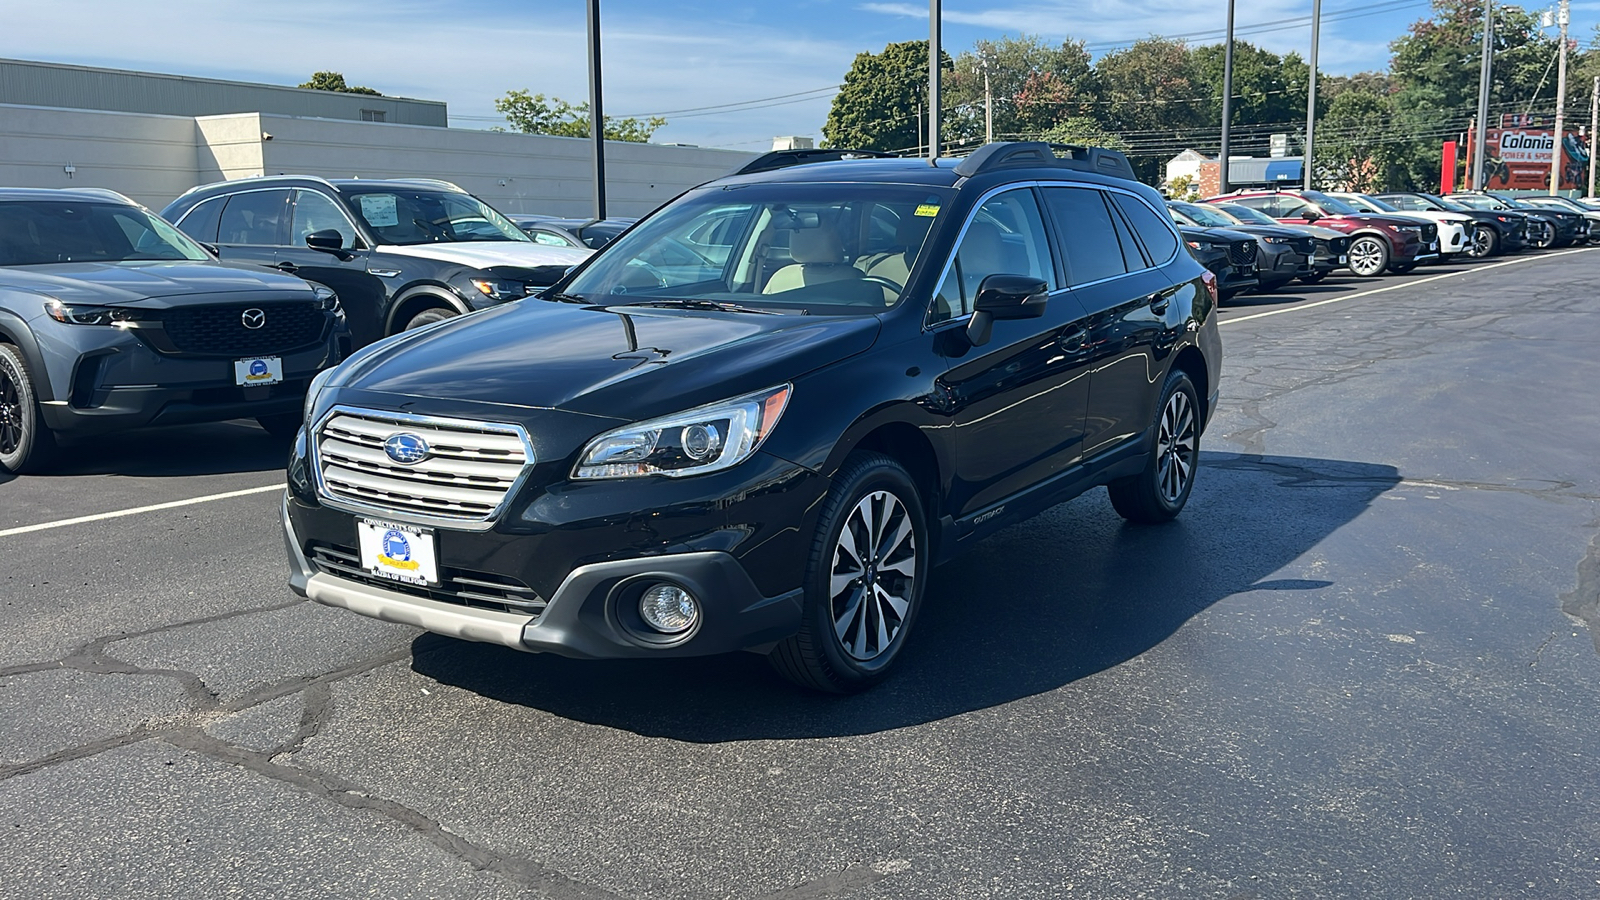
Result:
[470,471]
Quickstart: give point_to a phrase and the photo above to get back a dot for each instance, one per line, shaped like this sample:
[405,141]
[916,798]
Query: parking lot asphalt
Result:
[1365,662]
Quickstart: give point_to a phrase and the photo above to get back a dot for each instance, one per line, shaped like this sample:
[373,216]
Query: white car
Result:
[1455,229]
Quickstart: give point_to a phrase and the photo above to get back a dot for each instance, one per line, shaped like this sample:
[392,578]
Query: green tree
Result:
[536,114]
[334,81]
[1083,131]
[877,108]
[1155,98]
[1355,150]
[1269,93]
[1033,84]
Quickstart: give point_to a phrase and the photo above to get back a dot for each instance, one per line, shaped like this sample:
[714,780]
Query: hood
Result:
[1390,220]
[623,362]
[1268,230]
[1317,231]
[1216,234]
[115,283]
[485,254]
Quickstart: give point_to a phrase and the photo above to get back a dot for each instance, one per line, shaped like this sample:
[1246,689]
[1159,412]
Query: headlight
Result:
[1506,219]
[1409,229]
[500,289]
[1278,240]
[1201,245]
[327,300]
[706,439]
[75,314]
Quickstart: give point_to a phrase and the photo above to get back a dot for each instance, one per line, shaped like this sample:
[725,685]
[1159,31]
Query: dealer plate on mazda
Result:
[259,370]
[400,552]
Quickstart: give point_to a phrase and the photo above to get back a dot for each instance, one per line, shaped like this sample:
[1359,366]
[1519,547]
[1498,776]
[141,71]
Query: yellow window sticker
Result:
[928,209]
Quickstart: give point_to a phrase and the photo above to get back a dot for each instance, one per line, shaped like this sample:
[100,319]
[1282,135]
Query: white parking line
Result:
[1404,284]
[99,517]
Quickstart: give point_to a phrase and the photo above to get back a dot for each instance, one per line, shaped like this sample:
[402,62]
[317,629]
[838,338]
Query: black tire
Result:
[1313,278]
[280,425]
[26,445]
[429,316]
[1368,256]
[1267,287]
[1546,238]
[1485,243]
[1402,268]
[1159,493]
[817,656]
[1226,294]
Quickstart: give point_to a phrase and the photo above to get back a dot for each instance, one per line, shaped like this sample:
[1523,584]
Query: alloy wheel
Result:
[874,575]
[11,412]
[1482,242]
[1366,257]
[1175,447]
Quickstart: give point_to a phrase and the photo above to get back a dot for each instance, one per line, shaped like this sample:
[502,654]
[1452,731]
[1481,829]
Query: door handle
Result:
[1158,303]
[1075,339]
[287,268]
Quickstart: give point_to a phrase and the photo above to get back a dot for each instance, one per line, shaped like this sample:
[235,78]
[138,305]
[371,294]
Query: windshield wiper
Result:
[562,298]
[691,303]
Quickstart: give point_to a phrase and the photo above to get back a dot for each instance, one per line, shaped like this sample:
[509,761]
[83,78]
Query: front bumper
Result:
[728,538]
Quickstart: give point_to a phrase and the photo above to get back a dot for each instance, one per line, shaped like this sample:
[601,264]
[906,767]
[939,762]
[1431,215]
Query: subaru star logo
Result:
[406,449]
[253,318]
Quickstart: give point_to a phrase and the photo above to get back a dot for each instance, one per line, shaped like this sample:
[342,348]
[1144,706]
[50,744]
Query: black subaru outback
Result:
[758,419]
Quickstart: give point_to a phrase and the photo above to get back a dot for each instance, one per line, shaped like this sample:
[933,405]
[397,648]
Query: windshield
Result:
[1247,215]
[819,248]
[38,232]
[424,216]
[1439,202]
[1477,202]
[1376,204]
[1205,215]
[1332,206]
[1557,203]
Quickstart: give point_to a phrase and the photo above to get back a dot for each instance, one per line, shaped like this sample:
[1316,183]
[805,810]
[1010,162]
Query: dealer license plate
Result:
[258,370]
[1343,259]
[1433,245]
[401,552]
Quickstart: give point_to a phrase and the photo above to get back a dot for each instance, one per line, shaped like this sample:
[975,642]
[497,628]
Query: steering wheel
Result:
[639,265]
[887,283]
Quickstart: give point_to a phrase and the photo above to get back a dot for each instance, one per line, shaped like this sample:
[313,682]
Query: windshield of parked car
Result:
[39,232]
[1247,215]
[1559,203]
[422,216]
[1375,204]
[1478,202]
[1438,202]
[818,248]
[1205,215]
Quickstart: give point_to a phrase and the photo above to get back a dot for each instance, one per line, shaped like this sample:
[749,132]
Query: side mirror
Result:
[1005,297]
[1310,215]
[211,249]
[327,240]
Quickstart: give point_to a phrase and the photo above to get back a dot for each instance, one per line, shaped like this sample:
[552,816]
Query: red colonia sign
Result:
[1518,159]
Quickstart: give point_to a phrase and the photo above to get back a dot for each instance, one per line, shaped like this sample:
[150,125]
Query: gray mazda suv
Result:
[111,318]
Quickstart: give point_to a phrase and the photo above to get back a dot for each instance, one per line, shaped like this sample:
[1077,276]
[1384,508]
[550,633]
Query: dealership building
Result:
[153,136]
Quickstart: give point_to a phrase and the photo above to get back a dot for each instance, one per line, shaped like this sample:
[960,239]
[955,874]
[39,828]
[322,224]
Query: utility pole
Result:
[1594,123]
[1227,104]
[1485,71]
[1311,96]
[1556,153]
[988,102]
[933,81]
[597,118]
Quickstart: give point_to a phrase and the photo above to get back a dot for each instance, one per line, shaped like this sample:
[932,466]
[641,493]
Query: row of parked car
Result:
[1260,241]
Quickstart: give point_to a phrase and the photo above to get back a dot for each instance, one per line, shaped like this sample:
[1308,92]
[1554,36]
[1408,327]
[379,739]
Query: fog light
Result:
[669,609]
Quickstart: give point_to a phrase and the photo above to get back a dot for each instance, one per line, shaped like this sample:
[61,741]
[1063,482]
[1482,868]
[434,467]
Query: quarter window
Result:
[254,217]
[1155,234]
[201,222]
[1088,237]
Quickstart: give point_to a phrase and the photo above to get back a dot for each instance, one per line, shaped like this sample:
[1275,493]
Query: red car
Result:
[1377,243]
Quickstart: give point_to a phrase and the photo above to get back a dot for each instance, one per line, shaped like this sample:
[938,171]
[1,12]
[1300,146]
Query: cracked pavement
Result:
[1364,662]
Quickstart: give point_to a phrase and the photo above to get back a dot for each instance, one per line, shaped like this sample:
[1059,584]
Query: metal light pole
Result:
[1594,123]
[1311,96]
[1556,155]
[1227,104]
[933,80]
[1484,73]
[597,118]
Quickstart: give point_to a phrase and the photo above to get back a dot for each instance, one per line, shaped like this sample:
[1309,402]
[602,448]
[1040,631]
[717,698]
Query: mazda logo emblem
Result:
[406,449]
[253,318]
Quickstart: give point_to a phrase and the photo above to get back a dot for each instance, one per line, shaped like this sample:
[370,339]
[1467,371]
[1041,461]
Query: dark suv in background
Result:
[1498,231]
[1378,244]
[110,318]
[400,253]
[768,447]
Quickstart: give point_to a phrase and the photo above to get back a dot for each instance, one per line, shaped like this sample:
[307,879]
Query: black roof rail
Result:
[1036,154]
[782,159]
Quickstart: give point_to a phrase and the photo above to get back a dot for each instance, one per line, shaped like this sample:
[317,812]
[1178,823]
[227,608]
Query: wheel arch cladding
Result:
[416,301]
[908,446]
[1192,363]
[14,332]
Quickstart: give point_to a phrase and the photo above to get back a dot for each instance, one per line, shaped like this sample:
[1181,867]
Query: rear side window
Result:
[201,222]
[1086,235]
[1155,234]
[254,217]
[1268,205]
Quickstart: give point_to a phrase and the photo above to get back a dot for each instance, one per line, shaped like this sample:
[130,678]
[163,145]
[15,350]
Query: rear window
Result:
[1155,233]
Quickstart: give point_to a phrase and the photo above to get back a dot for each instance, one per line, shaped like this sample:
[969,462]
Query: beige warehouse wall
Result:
[147,157]
[227,147]
[514,172]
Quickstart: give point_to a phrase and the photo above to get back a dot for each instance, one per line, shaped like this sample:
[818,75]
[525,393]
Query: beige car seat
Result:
[895,265]
[818,259]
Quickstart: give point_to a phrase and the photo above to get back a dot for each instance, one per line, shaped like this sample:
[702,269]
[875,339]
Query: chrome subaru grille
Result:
[468,469]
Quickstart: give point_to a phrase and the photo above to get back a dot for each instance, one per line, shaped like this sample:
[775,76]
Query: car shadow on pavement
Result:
[213,449]
[1069,594]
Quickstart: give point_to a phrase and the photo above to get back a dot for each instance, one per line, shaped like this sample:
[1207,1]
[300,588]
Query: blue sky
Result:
[661,56]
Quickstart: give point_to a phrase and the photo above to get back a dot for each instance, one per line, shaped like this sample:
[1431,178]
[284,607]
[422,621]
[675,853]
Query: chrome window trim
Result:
[377,512]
